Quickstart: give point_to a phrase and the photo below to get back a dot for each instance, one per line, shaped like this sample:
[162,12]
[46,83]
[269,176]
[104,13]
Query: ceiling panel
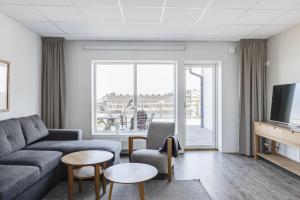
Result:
[43,27]
[206,30]
[173,29]
[141,19]
[270,30]
[291,17]
[52,2]
[14,2]
[96,2]
[142,15]
[232,4]
[259,16]
[142,29]
[22,13]
[188,3]
[181,16]
[90,28]
[221,16]
[105,15]
[77,28]
[240,29]
[142,3]
[276,4]
[61,13]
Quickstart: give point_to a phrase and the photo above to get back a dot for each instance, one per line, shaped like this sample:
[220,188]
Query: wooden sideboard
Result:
[277,133]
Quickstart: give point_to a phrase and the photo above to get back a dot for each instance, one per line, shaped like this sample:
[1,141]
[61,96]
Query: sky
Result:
[151,79]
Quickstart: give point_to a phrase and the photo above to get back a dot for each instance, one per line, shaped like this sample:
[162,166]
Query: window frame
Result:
[135,97]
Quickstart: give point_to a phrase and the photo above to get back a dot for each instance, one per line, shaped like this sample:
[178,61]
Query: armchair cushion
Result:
[158,132]
[152,157]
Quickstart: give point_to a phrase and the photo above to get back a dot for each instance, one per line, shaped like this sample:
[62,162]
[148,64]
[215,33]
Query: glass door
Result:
[200,106]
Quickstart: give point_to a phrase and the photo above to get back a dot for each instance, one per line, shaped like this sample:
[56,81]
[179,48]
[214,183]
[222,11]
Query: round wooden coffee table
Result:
[129,173]
[79,159]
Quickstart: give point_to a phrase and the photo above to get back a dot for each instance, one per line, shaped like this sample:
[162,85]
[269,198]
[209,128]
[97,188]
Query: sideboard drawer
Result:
[292,136]
[260,128]
[275,132]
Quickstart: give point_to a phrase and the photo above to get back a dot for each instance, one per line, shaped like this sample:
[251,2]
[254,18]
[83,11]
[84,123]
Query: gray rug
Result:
[154,190]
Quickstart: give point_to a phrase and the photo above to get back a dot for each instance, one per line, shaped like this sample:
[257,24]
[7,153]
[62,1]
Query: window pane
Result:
[155,94]
[114,104]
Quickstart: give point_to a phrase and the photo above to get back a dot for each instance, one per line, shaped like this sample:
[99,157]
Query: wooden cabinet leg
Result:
[110,190]
[273,144]
[141,190]
[70,182]
[97,180]
[256,146]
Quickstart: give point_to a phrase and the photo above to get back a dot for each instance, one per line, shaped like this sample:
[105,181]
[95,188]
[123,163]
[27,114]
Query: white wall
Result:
[22,48]
[284,57]
[79,80]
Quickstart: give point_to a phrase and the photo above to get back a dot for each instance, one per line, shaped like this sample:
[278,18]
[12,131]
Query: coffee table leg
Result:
[110,190]
[70,182]
[141,190]
[97,179]
[103,182]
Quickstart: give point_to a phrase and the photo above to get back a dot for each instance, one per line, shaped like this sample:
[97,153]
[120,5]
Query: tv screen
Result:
[286,104]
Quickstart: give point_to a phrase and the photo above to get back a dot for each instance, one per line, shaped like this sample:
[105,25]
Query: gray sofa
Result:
[30,156]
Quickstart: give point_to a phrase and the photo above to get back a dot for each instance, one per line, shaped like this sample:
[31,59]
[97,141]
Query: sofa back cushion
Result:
[33,128]
[11,137]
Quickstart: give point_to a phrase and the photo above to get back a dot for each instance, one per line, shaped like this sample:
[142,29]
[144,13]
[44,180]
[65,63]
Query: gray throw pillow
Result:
[33,128]
[11,136]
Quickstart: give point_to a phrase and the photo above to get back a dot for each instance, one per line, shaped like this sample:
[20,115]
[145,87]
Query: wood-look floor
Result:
[230,176]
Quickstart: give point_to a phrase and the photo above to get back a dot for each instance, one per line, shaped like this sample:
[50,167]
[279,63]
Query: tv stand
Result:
[281,133]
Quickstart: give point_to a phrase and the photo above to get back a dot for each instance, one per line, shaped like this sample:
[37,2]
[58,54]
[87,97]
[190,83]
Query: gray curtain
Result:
[253,57]
[53,82]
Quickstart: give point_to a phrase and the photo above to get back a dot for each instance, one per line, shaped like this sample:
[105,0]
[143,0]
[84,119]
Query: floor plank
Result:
[230,176]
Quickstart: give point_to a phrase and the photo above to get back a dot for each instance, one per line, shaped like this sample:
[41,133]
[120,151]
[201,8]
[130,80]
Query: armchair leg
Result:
[129,147]
[169,159]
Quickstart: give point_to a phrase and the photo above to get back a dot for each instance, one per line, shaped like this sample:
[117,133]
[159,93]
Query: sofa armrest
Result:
[64,134]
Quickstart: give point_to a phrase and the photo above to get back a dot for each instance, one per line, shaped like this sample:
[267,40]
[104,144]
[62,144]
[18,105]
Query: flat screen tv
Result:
[286,104]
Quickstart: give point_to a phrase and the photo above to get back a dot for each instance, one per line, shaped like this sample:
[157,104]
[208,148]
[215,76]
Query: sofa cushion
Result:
[33,128]
[44,160]
[11,137]
[151,157]
[79,145]
[15,179]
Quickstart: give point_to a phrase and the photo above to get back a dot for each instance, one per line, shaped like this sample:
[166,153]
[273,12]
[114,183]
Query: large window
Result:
[130,95]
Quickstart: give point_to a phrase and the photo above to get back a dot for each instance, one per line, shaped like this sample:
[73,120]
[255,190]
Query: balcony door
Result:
[128,96]
[200,106]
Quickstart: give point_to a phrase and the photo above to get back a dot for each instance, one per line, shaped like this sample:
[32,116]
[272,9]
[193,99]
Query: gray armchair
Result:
[156,136]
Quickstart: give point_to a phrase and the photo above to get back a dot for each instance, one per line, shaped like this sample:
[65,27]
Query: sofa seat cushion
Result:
[44,160]
[33,128]
[79,145]
[151,157]
[15,179]
[11,137]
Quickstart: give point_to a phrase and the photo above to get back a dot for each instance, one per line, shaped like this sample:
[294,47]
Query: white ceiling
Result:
[155,19]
